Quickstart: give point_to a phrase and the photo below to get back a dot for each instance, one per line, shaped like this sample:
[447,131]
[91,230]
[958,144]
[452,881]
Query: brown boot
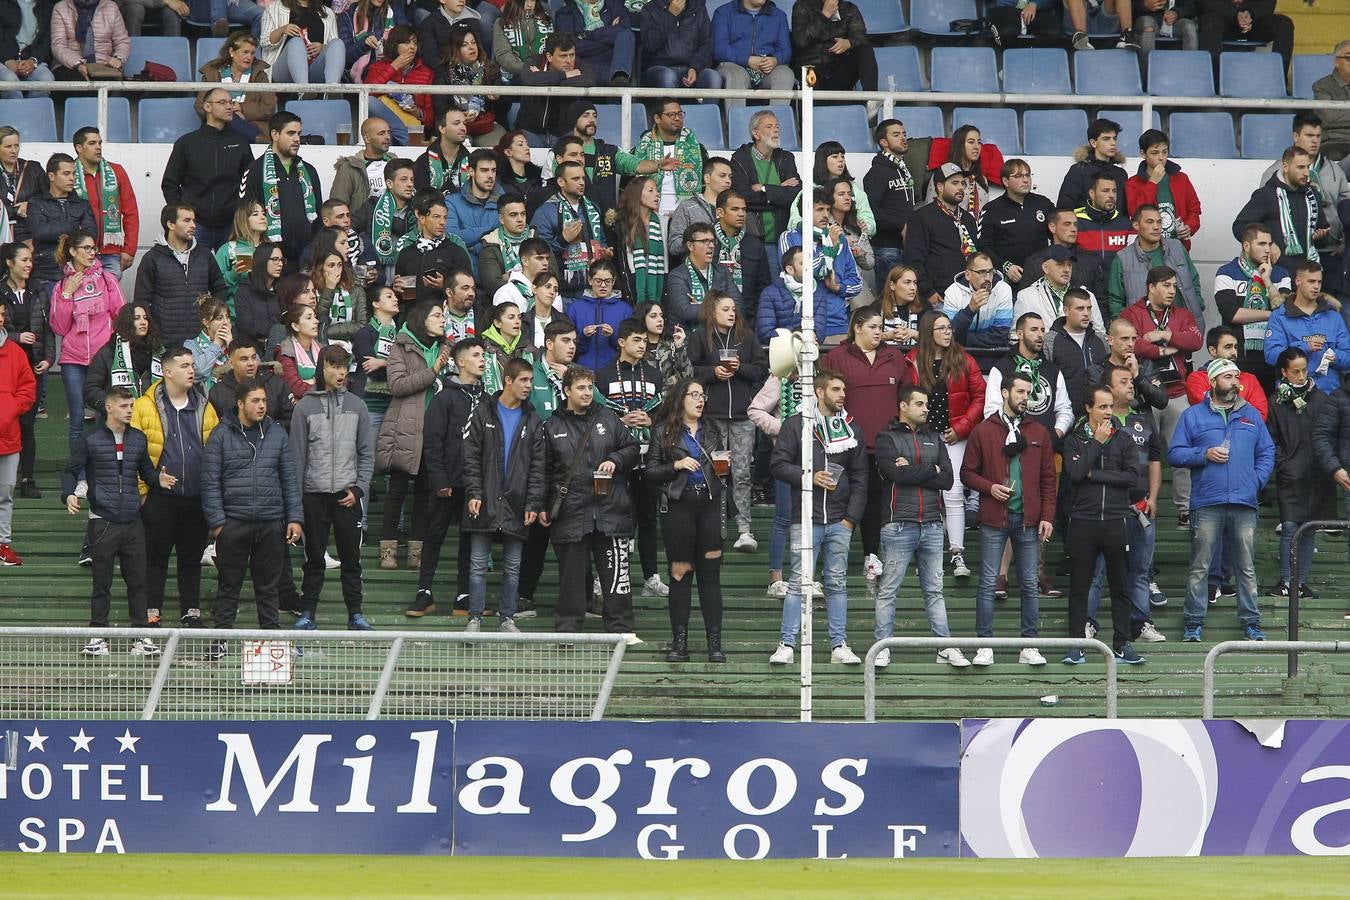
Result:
[414,555]
[388,554]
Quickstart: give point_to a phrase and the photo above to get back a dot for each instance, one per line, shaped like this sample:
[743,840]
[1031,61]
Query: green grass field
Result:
[148,876]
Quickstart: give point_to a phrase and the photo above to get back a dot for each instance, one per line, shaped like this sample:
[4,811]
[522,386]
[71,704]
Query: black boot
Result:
[715,653]
[679,645]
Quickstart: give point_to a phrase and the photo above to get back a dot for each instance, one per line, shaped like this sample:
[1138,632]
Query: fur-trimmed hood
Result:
[1084,153]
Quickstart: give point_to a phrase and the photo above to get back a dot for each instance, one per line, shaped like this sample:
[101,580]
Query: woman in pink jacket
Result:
[86,32]
[84,303]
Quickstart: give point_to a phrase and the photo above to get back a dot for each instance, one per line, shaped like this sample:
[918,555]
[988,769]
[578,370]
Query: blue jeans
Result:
[831,551]
[670,79]
[615,59]
[1026,553]
[398,129]
[72,379]
[782,520]
[480,556]
[212,238]
[294,67]
[886,257]
[900,541]
[1236,525]
[1139,564]
[112,264]
[1305,554]
[42,73]
[240,12]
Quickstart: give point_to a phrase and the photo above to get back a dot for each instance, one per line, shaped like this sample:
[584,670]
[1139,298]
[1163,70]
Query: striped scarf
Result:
[108,196]
[649,264]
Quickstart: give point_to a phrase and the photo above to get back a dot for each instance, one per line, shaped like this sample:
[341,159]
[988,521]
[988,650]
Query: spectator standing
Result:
[363,176]
[1099,156]
[1128,271]
[175,272]
[979,304]
[257,306]
[1331,437]
[643,256]
[1336,86]
[597,316]
[534,260]
[18,395]
[1088,273]
[1149,390]
[668,351]
[1160,182]
[27,324]
[404,110]
[965,150]
[571,225]
[1222,342]
[677,45]
[1046,298]
[429,259]
[390,219]
[1221,20]
[370,353]
[88,36]
[1310,319]
[1103,231]
[766,175]
[676,150]
[472,212]
[752,46]
[605,163]
[604,37]
[234,257]
[300,42]
[204,170]
[1247,291]
[502,249]
[342,301]
[55,214]
[1327,178]
[780,305]
[129,359]
[1231,456]
[1075,346]
[1048,400]
[940,235]
[244,365]
[503,341]
[689,285]
[20,181]
[901,308]
[444,166]
[286,185]
[1288,207]
[208,347]
[1013,226]
[25,43]
[890,192]
[700,208]
[832,36]
[298,352]
[238,63]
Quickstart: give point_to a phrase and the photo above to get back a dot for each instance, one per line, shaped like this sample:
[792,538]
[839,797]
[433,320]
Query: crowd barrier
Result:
[1293,648]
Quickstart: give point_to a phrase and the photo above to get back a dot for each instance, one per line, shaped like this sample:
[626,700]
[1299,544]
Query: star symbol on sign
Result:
[36,741]
[82,741]
[126,742]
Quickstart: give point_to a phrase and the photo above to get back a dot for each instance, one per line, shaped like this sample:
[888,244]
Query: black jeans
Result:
[445,511]
[28,436]
[693,527]
[322,512]
[610,555]
[532,561]
[1085,539]
[646,497]
[122,542]
[174,523]
[1276,29]
[258,548]
[875,510]
[397,495]
[841,72]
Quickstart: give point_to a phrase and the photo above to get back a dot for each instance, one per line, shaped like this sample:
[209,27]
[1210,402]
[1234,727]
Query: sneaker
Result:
[655,587]
[883,657]
[330,563]
[842,654]
[1074,658]
[872,567]
[1031,657]
[152,618]
[422,604]
[42,411]
[953,657]
[1227,590]
[959,567]
[82,489]
[817,589]
[508,626]
[8,557]
[1279,589]
[217,650]
[95,647]
[1127,41]
[305,622]
[1047,588]
[1156,598]
[461,606]
[29,491]
[777,589]
[983,657]
[144,647]
[209,555]
[782,656]
[358,622]
[1001,587]
[1127,655]
[1191,635]
[525,608]
[475,625]
[84,557]
[1090,631]
[1306,592]
[746,543]
[1150,634]
[1254,633]
[191,619]
[1183,521]
[1213,594]
[1081,41]
[631,639]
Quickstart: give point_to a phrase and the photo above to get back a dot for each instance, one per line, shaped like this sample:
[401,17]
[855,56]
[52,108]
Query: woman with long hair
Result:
[342,299]
[643,249]
[831,163]
[27,299]
[209,347]
[299,352]
[518,36]
[966,149]
[729,362]
[293,290]
[535,319]
[901,308]
[515,172]
[955,388]
[235,256]
[666,347]
[597,314]
[687,448]
[238,63]
[842,210]
[502,340]
[420,354]
[130,359]
[84,303]
[466,63]
[399,65]
[300,42]
[363,27]
[256,309]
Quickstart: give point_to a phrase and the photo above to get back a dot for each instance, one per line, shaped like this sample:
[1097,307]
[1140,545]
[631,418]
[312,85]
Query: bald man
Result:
[360,177]
[204,169]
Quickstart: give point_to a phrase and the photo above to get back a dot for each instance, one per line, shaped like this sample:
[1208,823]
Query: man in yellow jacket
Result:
[177,419]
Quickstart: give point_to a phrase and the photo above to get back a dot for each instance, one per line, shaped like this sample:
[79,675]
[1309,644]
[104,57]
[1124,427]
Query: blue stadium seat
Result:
[738,126]
[1053,132]
[964,70]
[1251,75]
[1181,73]
[173,52]
[82,111]
[1202,135]
[882,17]
[208,48]
[705,120]
[845,124]
[921,121]
[1309,67]
[1130,128]
[1107,73]
[1265,135]
[932,17]
[608,123]
[900,69]
[35,117]
[998,125]
[714,5]
[323,117]
[1040,70]
[162,120]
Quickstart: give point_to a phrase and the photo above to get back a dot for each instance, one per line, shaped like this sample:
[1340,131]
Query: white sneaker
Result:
[777,589]
[959,567]
[842,654]
[330,563]
[883,657]
[872,567]
[818,589]
[1091,631]
[632,640]
[746,543]
[782,656]
[144,647]
[984,657]
[95,647]
[1149,634]
[82,489]
[655,587]
[209,555]
[1031,657]
[955,658]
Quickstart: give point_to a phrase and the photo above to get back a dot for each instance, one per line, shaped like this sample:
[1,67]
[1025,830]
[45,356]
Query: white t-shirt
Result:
[375,175]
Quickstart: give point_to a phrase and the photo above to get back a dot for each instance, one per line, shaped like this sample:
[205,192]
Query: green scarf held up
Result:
[649,264]
[109,194]
[272,194]
[382,238]
[686,149]
[577,256]
[511,248]
[729,254]
[1293,395]
[1256,297]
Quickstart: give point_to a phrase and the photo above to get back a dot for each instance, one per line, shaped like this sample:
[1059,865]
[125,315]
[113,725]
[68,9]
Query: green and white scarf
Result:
[729,254]
[835,432]
[113,232]
[1257,296]
[528,49]
[272,193]
[698,285]
[1031,368]
[1294,395]
[306,361]
[577,256]
[123,370]
[203,344]
[387,246]
[340,310]
[827,250]
[360,37]
[384,337]
[789,397]
[511,248]
[227,77]
[1294,245]
[685,148]
[649,264]
[439,171]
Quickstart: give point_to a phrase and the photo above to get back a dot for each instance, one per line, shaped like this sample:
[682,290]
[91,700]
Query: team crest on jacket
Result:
[1038,402]
[1040,216]
[600,428]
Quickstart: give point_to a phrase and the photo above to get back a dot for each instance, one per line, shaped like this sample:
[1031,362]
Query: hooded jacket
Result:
[444,426]
[1073,190]
[914,489]
[1249,389]
[985,333]
[170,286]
[280,401]
[333,442]
[507,486]
[351,181]
[148,415]
[84,319]
[248,475]
[849,497]
[986,465]
[1264,208]
[1088,271]
[398,448]
[1185,202]
[582,512]
[892,197]
[778,308]
[1105,477]
[18,393]
[595,351]
[1103,234]
[1251,453]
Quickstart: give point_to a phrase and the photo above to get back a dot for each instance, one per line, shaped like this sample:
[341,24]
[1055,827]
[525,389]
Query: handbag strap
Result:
[572,470]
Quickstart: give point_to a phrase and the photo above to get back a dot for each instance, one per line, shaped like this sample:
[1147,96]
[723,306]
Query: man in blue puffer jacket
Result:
[780,305]
[752,46]
[1225,444]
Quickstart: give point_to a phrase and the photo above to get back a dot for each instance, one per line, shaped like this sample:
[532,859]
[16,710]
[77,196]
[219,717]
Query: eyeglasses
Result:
[700,241]
[599,280]
[695,395]
[674,114]
[981,272]
[86,247]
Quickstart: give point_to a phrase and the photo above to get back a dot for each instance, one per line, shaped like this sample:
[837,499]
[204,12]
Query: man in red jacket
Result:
[1161,182]
[18,392]
[1222,342]
[1167,335]
[107,189]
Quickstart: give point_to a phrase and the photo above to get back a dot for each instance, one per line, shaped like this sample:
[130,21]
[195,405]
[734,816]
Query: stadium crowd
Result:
[600,357]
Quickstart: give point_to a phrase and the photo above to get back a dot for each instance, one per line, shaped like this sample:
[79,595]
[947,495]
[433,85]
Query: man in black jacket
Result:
[174,273]
[589,453]
[60,211]
[1149,391]
[1088,272]
[941,234]
[245,366]
[503,461]
[434,254]
[766,175]
[1098,156]
[286,186]
[111,458]
[204,169]
[1287,206]
[890,192]
[1074,346]
[1013,226]
[542,116]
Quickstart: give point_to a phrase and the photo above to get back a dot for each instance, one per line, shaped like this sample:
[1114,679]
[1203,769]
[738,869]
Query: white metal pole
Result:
[806,373]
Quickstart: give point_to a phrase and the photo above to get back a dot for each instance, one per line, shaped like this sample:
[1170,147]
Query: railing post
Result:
[625,119]
[607,686]
[161,676]
[386,676]
[103,112]
[1295,582]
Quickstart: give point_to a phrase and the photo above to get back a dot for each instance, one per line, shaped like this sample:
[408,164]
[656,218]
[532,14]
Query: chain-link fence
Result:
[84,673]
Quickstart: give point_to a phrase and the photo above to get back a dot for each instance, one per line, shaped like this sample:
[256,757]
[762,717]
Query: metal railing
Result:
[1294,585]
[1293,648]
[966,643]
[307,675]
